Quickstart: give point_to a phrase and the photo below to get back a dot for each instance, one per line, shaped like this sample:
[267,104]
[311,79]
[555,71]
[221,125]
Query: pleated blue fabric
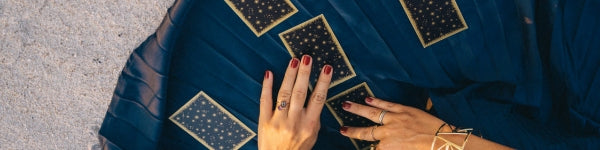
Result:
[525,74]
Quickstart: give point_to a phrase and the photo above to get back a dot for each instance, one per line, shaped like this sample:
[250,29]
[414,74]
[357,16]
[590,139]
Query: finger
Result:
[389,106]
[368,112]
[317,99]
[285,92]
[364,133]
[300,87]
[266,98]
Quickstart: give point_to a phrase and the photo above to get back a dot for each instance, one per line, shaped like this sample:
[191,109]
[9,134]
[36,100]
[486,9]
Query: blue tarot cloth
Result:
[525,74]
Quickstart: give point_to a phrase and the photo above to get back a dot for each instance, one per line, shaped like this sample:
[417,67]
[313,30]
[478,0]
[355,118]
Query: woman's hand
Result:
[291,126]
[405,127]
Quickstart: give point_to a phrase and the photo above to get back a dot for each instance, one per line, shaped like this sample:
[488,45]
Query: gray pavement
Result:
[59,63]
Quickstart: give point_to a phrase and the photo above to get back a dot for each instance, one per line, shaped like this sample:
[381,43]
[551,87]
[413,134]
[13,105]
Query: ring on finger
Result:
[381,115]
[373,132]
[282,105]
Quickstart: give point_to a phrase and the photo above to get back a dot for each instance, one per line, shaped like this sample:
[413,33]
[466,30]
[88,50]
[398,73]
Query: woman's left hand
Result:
[291,126]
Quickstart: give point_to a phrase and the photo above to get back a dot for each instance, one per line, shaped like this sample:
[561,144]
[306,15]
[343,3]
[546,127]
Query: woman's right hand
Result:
[405,127]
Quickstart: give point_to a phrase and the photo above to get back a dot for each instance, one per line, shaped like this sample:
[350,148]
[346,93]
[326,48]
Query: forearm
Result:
[475,142]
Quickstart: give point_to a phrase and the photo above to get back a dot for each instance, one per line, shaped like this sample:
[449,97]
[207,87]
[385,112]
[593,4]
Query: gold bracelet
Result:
[447,143]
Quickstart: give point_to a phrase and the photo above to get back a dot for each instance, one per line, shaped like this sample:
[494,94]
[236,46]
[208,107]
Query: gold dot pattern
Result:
[262,15]
[315,38]
[210,124]
[356,94]
[434,20]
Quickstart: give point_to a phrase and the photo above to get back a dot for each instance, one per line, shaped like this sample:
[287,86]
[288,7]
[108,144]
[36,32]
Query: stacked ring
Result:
[381,115]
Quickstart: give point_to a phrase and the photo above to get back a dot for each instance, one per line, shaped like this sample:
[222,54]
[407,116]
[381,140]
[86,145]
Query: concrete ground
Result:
[59,63]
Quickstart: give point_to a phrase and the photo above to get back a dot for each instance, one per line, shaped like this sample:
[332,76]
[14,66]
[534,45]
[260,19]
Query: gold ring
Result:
[373,132]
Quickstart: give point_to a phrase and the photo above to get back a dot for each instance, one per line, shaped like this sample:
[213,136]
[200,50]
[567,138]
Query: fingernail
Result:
[306,59]
[327,69]
[294,63]
[343,129]
[267,74]
[369,99]
[346,105]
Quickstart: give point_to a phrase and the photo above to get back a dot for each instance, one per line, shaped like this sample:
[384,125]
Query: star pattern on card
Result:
[356,94]
[434,20]
[316,38]
[211,124]
[262,15]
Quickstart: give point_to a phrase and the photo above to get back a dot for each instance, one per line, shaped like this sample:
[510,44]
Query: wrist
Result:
[448,136]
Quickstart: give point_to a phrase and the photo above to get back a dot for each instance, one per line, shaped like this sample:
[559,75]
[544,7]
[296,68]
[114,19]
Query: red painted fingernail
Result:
[369,99]
[327,69]
[294,63]
[306,59]
[343,129]
[267,74]
[346,105]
